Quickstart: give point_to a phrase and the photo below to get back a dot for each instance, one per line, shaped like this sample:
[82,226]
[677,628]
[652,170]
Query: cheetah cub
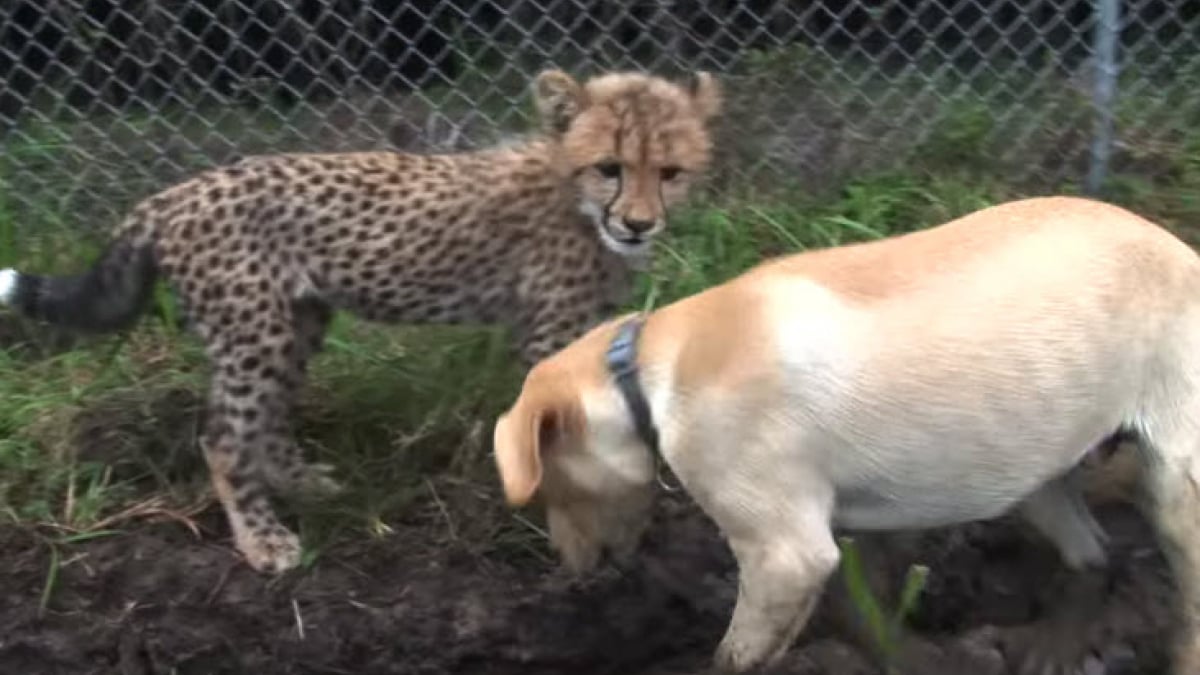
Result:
[540,234]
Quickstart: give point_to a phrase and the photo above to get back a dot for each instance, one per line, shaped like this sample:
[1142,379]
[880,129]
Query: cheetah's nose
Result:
[638,226]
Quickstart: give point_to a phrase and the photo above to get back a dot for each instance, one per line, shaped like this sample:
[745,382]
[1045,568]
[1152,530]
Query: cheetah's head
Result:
[633,143]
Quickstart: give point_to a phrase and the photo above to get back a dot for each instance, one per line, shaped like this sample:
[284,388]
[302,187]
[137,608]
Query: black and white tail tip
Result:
[8,285]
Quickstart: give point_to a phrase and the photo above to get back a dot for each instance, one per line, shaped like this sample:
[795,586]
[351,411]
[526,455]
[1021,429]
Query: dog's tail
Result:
[108,297]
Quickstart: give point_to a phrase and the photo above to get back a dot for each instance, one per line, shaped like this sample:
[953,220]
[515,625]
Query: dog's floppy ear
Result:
[546,417]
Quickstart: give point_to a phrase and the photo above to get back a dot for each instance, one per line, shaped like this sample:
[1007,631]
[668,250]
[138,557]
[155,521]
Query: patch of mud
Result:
[159,599]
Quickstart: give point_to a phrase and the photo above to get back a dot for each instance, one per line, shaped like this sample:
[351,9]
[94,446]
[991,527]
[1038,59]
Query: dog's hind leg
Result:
[1059,512]
[783,564]
[1172,472]
[1059,642]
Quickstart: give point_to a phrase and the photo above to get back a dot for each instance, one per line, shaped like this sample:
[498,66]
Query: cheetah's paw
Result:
[271,551]
[317,481]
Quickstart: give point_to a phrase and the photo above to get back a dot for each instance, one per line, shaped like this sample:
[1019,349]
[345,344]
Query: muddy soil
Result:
[162,599]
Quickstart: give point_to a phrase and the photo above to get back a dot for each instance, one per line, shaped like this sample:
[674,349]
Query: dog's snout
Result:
[638,225]
[606,557]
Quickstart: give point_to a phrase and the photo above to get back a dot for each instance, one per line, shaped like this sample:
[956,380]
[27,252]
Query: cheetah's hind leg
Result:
[247,441]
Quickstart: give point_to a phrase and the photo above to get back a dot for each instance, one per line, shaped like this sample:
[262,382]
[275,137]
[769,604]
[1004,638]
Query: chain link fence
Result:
[106,101]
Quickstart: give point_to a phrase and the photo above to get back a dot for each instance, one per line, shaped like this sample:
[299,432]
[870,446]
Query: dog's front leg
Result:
[780,576]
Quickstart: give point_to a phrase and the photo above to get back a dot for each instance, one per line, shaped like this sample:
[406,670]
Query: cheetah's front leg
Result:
[285,468]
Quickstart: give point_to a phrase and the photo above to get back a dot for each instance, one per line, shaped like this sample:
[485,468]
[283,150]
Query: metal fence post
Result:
[1104,90]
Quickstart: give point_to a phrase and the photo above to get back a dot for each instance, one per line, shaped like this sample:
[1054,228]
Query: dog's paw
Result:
[755,654]
[1046,648]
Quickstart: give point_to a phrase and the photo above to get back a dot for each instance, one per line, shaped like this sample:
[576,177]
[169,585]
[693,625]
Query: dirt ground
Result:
[162,599]
[444,594]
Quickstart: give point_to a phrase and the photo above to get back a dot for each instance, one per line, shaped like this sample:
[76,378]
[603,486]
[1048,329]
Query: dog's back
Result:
[943,376]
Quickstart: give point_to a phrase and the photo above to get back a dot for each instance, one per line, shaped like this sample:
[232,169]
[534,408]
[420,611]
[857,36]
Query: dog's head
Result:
[569,440]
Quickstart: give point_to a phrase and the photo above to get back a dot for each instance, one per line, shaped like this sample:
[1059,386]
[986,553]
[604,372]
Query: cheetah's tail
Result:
[108,297]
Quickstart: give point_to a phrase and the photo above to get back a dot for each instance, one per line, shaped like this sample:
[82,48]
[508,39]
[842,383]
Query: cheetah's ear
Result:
[559,98]
[705,92]
[546,418]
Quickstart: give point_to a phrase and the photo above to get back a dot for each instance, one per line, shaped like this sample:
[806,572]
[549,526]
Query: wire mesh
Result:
[106,101]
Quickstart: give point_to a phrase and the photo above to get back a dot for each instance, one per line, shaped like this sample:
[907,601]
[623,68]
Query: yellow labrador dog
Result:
[943,376]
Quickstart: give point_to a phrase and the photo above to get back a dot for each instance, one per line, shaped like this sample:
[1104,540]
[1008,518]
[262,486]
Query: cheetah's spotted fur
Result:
[539,234]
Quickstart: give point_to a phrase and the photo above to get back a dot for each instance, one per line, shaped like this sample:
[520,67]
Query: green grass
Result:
[886,628]
[97,435]
[88,431]
[100,432]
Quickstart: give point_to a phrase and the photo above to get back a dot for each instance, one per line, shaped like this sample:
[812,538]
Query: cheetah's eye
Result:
[669,172]
[609,169]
